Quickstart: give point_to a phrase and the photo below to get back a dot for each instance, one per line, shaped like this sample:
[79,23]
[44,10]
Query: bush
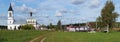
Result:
[27,27]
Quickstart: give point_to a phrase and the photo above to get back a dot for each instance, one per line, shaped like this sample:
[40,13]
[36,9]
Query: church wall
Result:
[13,27]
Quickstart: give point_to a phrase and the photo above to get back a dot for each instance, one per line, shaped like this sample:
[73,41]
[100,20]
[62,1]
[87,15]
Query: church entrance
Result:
[15,28]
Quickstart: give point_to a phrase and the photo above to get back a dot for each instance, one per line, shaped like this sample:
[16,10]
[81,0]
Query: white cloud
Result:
[77,2]
[94,3]
[1,15]
[74,11]
[58,14]
[32,10]
[24,1]
[13,4]
[54,5]
[63,11]
[25,9]
[22,8]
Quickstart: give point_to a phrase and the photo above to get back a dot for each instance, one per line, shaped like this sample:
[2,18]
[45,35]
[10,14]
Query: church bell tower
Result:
[10,15]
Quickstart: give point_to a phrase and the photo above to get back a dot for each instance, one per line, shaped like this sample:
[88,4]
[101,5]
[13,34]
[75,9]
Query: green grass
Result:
[83,37]
[19,36]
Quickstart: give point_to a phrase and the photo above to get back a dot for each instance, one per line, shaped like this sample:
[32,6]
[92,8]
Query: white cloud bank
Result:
[25,9]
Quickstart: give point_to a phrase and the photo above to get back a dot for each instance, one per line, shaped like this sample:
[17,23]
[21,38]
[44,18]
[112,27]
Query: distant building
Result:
[12,24]
[77,28]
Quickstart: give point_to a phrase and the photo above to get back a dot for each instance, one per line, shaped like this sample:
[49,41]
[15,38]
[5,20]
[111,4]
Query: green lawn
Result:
[83,37]
[19,36]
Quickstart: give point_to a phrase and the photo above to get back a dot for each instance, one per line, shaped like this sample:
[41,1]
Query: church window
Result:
[33,21]
[15,28]
[10,27]
[10,15]
[28,21]
[10,21]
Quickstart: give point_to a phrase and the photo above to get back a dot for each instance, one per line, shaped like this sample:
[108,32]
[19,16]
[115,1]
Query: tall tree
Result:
[59,25]
[99,22]
[108,16]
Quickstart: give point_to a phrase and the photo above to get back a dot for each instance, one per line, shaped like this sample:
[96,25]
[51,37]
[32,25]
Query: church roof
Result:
[20,21]
[10,8]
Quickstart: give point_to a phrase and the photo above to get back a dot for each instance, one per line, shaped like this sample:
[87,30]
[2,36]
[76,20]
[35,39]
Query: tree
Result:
[108,16]
[3,27]
[59,25]
[27,27]
[44,26]
[51,26]
[99,22]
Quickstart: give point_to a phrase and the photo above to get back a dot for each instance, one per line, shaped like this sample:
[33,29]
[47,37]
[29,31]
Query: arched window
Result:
[10,14]
[27,21]
[11,28]
[10,21]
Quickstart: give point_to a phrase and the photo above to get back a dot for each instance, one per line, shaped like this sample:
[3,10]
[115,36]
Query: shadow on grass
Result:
[3,40]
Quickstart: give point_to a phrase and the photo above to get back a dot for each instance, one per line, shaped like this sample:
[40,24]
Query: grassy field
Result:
[83,37]
[26,35]
[19,36]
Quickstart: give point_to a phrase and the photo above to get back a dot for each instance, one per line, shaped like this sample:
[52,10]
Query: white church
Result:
[13,25]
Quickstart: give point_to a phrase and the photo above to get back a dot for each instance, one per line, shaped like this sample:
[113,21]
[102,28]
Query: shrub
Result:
[27,27]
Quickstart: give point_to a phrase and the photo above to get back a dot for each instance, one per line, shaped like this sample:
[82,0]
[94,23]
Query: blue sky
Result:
[50,11]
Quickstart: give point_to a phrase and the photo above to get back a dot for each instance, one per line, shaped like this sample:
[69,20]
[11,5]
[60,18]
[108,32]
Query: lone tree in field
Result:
[59,25]
[108,16]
